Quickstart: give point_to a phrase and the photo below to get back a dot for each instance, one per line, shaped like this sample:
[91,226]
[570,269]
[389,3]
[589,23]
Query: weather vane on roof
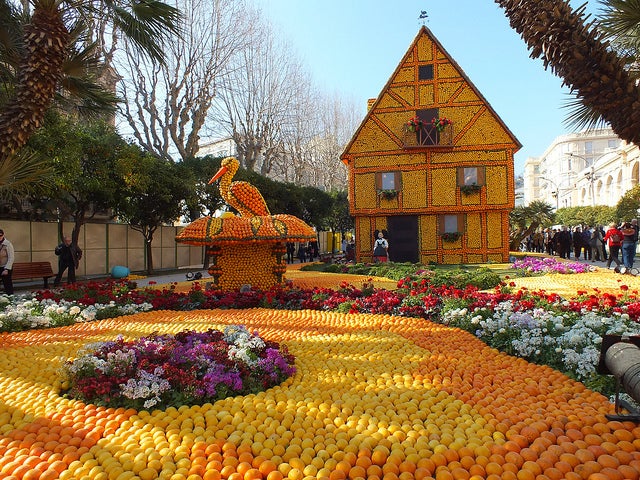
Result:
[423,16]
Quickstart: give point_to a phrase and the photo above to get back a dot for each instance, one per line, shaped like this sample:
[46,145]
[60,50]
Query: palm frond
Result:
[148,24]
[86,97]
[11,22]
[23,173]
[580,116]
[620,17]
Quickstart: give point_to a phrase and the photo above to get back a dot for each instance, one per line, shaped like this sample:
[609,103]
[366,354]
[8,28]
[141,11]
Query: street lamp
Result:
[555,192]
[590,175]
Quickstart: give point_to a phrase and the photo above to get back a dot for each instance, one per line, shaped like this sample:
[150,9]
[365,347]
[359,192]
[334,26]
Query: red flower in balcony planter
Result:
[415,123]
[440,123]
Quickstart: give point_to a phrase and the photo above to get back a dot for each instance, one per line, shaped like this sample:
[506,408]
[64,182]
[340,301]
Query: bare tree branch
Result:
[167,105]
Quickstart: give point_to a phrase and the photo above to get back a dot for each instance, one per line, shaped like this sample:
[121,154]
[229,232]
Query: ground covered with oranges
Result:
[374,396]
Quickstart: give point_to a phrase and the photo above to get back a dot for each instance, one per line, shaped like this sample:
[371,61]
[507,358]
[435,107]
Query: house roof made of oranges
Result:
[412,60]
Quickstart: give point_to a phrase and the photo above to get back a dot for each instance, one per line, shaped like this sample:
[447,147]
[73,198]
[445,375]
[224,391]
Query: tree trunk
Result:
[149,254]
[46,41]
[579,55]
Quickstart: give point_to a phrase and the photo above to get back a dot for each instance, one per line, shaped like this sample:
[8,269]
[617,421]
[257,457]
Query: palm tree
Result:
[54,32]
[581,55]
[525,220]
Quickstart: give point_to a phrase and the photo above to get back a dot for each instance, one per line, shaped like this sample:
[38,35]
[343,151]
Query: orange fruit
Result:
[211,475]
[252,474]
[379,457]
[357,472]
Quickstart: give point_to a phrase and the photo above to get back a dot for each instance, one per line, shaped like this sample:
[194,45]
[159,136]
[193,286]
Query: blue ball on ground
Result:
[119,271]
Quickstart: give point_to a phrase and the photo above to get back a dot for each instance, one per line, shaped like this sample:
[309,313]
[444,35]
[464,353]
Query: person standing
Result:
[628,245]
[634,225]
[69,256]
[548,240]
[538,242]
[613,237]
[578,244]
[381,249]
[302,252]
[7,256]
[291,250]
[563,242]
[586,241]
[597,253]
[604,244]
[351,251]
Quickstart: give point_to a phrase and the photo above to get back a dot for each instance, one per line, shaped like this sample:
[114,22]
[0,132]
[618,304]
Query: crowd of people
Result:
[589,243]
[304,252]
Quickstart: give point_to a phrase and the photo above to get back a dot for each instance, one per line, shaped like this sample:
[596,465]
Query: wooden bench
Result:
[28,270]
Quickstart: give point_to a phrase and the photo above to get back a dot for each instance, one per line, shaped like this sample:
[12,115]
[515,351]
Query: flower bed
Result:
[538,327]
[405,390]
[539,265]
[174,370]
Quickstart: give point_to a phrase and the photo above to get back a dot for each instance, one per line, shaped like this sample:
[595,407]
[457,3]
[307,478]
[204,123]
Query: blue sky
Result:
[353,47]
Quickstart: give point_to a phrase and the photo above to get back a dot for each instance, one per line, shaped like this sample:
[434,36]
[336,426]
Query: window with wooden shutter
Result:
[388,181]
[471,176]
[451,223]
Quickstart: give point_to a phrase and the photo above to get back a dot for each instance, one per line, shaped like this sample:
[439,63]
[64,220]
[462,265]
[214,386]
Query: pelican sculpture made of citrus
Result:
[242,196]
[247,249]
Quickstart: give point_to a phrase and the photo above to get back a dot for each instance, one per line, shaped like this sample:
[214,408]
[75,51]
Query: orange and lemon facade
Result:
[432,165]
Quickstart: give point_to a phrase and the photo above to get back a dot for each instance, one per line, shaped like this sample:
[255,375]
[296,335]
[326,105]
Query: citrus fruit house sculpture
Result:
[248,249]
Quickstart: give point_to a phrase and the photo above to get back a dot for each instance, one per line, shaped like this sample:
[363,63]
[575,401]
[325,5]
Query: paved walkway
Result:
[162,278]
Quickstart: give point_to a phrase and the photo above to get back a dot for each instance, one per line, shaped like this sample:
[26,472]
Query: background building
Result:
[587,168]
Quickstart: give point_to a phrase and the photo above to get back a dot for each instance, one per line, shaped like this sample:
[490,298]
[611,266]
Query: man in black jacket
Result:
[563,243]
[68,258]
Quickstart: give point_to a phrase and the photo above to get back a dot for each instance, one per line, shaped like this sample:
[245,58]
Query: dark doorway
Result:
[403,238]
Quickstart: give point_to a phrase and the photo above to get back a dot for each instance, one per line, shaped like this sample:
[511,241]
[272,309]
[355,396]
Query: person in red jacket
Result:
[613,239]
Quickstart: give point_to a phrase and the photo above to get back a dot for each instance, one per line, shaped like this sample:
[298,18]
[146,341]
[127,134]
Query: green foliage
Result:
[629,204]
[579,216]
[316,205]
[526,219]
[339,220]
[344,307]
[203,198]
[84,157]
[151,194]
[460,277]
[483,278]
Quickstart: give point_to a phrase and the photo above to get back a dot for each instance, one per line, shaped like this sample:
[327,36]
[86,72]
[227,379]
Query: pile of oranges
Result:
[374,397]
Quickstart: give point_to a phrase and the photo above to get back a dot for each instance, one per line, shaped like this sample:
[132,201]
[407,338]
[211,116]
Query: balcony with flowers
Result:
[420,133]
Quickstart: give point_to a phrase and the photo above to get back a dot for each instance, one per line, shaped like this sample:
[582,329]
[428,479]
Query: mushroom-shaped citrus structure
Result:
[246,250]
